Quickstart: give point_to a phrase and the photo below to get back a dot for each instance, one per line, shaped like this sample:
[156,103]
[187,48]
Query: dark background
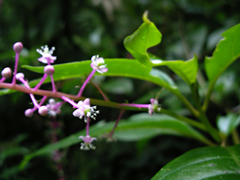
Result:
[80,29]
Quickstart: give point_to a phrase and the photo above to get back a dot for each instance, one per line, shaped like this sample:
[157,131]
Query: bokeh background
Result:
[80,29]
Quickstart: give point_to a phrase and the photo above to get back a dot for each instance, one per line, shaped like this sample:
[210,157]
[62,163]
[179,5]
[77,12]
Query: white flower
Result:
[87,145]
[153,106]
[84,109]
[47,57]
[98,64]
[53,107]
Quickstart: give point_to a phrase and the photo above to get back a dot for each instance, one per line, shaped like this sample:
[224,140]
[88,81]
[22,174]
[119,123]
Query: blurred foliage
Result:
[80,29]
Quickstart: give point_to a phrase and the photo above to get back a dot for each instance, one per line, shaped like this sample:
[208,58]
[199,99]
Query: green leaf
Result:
[144,126]
[9,172]
[226,124]
[226,52]
[116,67]
[137,127]
[203,163]
[146,36]
[118,86]
[187,70]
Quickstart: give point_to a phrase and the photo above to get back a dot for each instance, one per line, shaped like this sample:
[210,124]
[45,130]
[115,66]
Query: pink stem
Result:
[85,83]
[2,79]
[34,101]
[59,104]
[119,117]
[41,102]
[15,68]
[40,83]
[53,84]
[69,101]
[31,95]
[136,105]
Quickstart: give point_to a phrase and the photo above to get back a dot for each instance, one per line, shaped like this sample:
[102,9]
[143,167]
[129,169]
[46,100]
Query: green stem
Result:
[186,103]
[207,98]
[191,122]
[202,117]
[235,136]
[184,119]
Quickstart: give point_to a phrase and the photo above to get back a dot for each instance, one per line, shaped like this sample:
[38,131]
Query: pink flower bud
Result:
[49,70]
[17,47]
[43,110]
[28,113]
[19,76]
[6,72]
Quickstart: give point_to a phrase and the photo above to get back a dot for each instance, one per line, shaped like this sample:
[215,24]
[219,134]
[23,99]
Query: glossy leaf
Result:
[227,123]
[137,127]
[146,36]
[116,67]
[226,52]
[145,126]
[187,70]
[118,86]
[203,163]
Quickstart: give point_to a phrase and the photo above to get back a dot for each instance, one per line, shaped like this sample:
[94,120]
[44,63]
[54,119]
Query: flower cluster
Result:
[83,108]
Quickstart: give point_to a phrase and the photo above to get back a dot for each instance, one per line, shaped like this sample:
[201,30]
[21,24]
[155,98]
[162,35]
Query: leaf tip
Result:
[145,17]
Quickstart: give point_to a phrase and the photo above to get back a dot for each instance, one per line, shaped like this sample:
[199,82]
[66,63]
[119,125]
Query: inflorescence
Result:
[83,109]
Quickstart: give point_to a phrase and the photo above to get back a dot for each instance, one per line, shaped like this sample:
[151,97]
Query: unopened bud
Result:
[6,72]
[49,70]
[19,76]
[17,47]
[43,110]
[28,113]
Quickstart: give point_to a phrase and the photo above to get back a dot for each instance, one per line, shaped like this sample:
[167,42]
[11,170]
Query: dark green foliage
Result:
[80,29]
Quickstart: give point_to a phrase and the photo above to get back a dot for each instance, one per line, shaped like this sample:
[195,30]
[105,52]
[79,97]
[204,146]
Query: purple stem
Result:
[85,83]
[34,101]
[40,104]
[40,83]
[136,105]
[87,126]
[69,101]
[31,95]
[53,84]
[15,68]
[59,104]
[101,92]
[119,117]
[2,79]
